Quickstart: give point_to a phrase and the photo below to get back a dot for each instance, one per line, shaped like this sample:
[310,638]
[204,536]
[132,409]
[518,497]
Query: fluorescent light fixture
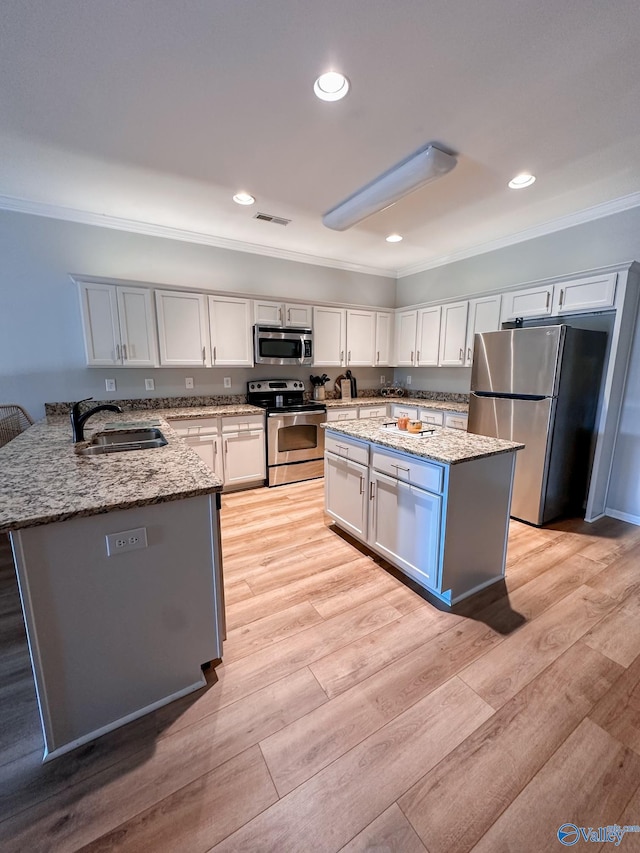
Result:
[331,86]
[393,238]
[521,181]
[405,177]
[243,198]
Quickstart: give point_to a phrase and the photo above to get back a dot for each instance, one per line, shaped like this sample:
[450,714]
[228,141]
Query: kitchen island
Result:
[436,505]
[120,574]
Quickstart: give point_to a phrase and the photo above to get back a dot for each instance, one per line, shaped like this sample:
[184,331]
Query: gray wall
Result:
[611,240]
[41,349]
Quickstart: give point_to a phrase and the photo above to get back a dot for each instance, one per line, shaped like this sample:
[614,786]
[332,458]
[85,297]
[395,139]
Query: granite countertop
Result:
[450,446]
[418,402]
[43,479]
[225,411]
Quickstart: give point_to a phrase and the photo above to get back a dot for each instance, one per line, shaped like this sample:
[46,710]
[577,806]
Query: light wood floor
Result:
[350,714]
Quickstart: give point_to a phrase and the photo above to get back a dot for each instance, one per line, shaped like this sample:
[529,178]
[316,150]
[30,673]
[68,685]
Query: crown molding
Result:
[150,229]
[599,211]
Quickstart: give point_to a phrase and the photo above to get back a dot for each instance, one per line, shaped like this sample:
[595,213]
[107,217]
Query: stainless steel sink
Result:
[116,442]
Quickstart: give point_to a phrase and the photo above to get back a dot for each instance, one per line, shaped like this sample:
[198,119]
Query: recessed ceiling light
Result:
[521,181]
[393,238]
[243,198]
[331,86]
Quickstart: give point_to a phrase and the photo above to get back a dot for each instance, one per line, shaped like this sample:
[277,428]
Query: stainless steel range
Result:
[295,441]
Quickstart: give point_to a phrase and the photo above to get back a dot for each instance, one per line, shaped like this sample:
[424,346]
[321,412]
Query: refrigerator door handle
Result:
[497,396]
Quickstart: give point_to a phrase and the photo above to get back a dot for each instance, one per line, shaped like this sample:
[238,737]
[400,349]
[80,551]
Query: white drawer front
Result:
[428,416]
[194,426]
[373,412]
[243,424]
[342,414]
[400,411]
[456,421]
[426,475]
[347,449]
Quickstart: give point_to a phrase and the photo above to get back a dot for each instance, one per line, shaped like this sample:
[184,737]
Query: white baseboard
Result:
[623,516]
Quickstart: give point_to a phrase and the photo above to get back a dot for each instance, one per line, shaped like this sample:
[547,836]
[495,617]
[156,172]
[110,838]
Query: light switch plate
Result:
[382,379]
[408,380]
[227,382]
[110,384]
[188,382]
[149,384]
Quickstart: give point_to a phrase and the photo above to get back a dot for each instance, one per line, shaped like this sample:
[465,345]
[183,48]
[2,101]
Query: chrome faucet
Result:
[78,421]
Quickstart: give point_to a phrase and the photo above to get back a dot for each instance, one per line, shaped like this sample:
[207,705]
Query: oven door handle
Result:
[301,412]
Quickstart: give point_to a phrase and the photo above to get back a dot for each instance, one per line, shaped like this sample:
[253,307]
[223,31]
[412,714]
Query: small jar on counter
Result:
[414,426]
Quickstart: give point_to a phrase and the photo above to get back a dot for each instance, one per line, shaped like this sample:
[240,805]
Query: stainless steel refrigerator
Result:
[540,386]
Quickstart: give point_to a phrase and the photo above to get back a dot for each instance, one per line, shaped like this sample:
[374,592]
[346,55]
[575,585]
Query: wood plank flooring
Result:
[352,714]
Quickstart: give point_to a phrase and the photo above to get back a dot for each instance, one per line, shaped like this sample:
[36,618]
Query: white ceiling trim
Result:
[85,217]
[599,211]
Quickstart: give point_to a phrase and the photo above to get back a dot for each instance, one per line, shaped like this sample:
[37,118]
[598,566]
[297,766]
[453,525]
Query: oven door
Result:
[294,437]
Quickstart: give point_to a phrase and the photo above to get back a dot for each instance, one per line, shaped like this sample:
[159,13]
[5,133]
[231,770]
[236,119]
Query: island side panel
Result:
[112,637]
[477,523]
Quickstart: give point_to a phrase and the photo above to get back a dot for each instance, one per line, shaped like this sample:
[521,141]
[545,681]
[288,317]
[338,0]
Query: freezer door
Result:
[518,361]
[526,421]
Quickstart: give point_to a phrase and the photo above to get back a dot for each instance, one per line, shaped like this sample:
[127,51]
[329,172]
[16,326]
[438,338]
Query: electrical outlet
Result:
[188,382]
[149,384]
[126,540]
[408,380]
[227,382]
[383,378]
[110,384]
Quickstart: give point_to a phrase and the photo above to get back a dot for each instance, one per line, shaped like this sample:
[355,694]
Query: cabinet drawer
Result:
[428,416]
[243,423]
[347,449]
[456,421]
[342,414]
[194,426]
[426,475]
[399,410]
[373,412]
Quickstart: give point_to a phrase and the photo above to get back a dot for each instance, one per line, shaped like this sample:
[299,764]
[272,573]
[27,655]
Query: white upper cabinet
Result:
[453,334]
[405,338]
[584,294]
[230,331]
[361,338]
[268,313]
[329,336]
[428,339]
[484,316]
[533,302]
[183,329]
[384,337]
[118,326]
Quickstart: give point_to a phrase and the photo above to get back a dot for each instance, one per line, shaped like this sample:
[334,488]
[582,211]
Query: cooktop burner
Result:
[281,395]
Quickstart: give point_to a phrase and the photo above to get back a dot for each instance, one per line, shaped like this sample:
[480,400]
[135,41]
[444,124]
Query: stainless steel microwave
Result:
[282,346]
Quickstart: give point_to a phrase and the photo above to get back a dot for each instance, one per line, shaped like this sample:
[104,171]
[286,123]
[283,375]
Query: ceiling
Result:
[145,113]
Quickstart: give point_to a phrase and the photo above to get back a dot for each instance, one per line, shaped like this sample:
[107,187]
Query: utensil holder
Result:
[318,392]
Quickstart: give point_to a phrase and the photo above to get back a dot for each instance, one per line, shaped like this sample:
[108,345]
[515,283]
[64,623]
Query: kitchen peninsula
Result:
[434,505]
[120,574]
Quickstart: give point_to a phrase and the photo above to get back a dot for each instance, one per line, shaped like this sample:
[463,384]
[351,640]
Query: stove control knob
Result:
[259,385]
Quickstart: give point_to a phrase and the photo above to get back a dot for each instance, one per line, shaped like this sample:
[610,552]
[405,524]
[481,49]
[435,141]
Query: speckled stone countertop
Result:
[418,402]
[450,446]
[206,412]
[43,479]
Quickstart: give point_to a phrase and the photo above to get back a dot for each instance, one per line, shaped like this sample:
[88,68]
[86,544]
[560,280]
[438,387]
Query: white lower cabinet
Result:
[350,414]
[233,448]
[456,421]
[346,488]
[404,526]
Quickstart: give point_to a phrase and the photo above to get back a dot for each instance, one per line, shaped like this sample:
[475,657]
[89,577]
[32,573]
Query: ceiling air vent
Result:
[277,220]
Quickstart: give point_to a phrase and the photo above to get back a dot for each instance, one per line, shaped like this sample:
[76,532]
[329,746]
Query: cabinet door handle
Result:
[349,357]
[226,446]
[548,295]
[215,448]
[461,354]
[468,353]
[341,356]
[361,484]
[288,315]
[117,352]
[372,493]
[561,296]
[280,314]
[215,350]
[412,355]
[204,358]
[400,468]
[125,357]
[378,357]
